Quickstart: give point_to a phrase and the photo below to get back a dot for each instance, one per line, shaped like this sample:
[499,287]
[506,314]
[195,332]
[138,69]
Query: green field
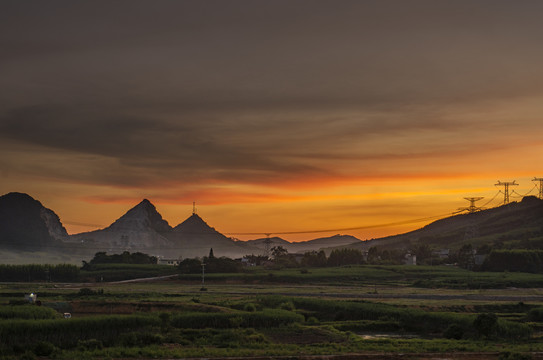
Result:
[387,310]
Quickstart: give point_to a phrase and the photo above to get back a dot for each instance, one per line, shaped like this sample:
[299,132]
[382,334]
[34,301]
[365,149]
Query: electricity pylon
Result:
[506,185]
[540,187]
[472,208]
[267,243]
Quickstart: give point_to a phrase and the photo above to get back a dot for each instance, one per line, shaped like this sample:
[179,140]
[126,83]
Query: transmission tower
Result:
[267,243]
[506,185]
[194,208]
[540,187]
[472,208]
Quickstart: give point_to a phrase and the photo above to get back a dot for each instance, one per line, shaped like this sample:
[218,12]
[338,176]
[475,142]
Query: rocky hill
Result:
[25,224]
[142,228]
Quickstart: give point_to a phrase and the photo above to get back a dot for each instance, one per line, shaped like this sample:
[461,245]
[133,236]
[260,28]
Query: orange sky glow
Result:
[274,117]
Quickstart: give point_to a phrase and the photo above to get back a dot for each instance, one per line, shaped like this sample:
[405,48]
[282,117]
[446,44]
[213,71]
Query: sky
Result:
[273,116]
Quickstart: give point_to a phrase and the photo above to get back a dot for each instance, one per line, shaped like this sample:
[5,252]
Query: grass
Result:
[368,275]
[319,312]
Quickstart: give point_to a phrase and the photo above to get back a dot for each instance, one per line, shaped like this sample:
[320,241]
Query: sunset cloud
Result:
[262,103]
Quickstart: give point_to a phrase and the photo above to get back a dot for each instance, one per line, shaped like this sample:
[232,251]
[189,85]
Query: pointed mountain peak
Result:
[143,216]
[195,225]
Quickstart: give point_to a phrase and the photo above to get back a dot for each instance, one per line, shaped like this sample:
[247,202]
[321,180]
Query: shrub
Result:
[91,344]
[514,356]
[250,307]
[535,314]
[486,324]
[27,311]
[260,319]
[28,355]
[287,305]
[44,348]
[454,331]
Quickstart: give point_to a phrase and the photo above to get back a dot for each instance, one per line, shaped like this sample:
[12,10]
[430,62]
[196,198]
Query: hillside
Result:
[513,225]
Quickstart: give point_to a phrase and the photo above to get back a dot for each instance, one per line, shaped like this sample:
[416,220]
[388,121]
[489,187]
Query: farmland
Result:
[359,311]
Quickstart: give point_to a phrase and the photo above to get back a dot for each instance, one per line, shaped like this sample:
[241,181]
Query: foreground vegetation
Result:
[176,319]
[213,326]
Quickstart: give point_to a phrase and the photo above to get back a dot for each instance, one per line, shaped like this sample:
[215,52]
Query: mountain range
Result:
[26,225]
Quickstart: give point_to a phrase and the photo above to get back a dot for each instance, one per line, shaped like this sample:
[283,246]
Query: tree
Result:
[423,252]
[211,256]
[190,266]
[340,257]
[465,257]
[373,254]
[278,252]
[484,249]
[256,259]
[486,324]
[314,259]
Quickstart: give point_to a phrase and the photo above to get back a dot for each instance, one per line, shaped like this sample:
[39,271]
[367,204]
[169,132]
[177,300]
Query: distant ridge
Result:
[512,222]
[309,245]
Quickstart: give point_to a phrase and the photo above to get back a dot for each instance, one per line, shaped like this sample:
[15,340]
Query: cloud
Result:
[173,94]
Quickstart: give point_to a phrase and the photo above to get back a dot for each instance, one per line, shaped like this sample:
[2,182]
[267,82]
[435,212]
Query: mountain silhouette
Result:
[195,225]
[194,238]
[26,224]
[304,246]
[141,228]
[143,216]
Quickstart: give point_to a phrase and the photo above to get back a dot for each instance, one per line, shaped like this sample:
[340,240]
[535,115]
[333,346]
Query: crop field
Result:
[358,312]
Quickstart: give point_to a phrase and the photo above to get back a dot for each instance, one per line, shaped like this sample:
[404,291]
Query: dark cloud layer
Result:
[245,91]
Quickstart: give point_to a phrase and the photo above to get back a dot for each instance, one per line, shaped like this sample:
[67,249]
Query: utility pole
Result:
[540,186]
[194,208]
[472,208]
[203,277]
[506,185]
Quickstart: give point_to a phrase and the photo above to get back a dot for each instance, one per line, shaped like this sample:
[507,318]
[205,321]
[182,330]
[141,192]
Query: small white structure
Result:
[442,253]
[410,259]
[31,298]
[171,262]
[479,259]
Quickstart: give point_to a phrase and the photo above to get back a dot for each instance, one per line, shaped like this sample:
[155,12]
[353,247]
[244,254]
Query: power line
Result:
[344,229]
[520,195]
[489,201]
[506,185]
